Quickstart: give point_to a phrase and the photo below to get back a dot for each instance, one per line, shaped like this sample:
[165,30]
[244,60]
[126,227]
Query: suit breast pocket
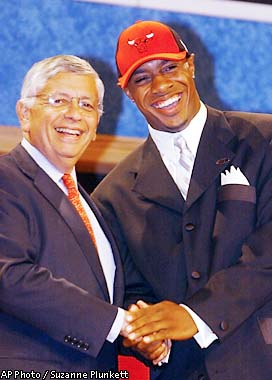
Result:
[235,210]
[234,220]
[242,193]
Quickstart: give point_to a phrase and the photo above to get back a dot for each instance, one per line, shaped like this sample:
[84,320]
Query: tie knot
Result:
[69,182]
[183,147]
[180,143]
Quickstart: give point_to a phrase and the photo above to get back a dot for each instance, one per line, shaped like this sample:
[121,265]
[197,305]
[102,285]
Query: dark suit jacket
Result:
[55,308]
[212,252]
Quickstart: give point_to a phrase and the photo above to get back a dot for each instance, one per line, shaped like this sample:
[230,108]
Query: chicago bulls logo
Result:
[141,43]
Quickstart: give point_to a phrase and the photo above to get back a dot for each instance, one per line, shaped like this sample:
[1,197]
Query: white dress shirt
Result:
[165,141]
[170,156]
[103,245]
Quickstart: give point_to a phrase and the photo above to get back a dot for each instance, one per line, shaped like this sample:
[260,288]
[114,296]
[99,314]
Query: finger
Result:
[168,342]
[155,336]
[143,318]
[143,327]
[133,308]
[143,310]
[159,359]
[164,354]
[156,353]
[127,343]
[151,348]
[133,314]
[141,304]
[132,343]
[152,351]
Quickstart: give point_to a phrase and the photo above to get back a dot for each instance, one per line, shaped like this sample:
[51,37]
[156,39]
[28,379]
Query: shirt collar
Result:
[192,133]
[44,163]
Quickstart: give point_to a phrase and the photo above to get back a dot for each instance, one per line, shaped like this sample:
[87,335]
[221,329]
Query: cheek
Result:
[40,121]
[137,93]
[141,101]
[43,131]
[92,122]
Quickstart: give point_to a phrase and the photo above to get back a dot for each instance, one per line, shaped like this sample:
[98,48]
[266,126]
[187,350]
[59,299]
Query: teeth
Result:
[168,102]
[69,131]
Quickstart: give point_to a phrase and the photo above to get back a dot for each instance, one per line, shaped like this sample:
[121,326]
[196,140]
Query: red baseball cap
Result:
[145,41]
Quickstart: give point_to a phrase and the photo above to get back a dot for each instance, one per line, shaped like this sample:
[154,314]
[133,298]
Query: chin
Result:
[174,129]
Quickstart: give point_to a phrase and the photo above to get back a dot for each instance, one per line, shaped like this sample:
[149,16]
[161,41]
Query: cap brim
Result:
[123,80]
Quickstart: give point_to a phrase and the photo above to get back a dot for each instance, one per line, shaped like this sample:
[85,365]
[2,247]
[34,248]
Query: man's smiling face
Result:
[165,93]
[62,131]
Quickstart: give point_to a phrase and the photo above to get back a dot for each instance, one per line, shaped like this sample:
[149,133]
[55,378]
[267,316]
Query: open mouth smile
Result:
[69,131]
[168,103]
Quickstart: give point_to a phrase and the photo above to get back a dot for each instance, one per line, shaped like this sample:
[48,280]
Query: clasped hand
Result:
[150,328]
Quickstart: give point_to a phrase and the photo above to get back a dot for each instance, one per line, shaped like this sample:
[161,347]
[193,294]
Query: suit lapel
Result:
[61,203]
[73,220]
[153,180]
[213,156]
[119,277]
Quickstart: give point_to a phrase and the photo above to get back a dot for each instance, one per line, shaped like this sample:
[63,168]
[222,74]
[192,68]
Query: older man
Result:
[61,282]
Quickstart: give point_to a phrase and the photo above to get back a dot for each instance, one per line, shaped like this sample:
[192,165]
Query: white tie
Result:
[185,167]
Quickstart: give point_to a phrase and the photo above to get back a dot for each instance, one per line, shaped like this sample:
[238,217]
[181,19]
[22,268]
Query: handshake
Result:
[149,329]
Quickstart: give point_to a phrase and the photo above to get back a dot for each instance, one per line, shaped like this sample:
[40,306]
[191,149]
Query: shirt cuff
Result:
[116,326]
[205,336]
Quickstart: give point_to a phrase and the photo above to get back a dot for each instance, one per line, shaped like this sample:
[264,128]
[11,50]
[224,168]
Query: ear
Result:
[23,113]
[128,94]
[94,136]
[191,63]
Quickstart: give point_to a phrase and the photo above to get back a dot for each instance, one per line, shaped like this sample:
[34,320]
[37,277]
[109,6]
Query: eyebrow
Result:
[69,95]
[140,70]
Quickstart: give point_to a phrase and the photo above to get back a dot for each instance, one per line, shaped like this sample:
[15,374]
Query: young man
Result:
[192,208]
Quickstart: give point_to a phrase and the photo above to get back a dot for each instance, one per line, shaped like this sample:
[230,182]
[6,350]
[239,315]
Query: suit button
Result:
[201,377]
[67,339]
[85,346]
[189,227]
[74,341]
[224,325]
[80,344]
[195,275]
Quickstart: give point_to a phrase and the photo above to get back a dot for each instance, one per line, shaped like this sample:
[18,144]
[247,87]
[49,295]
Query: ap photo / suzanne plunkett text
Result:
[52,374]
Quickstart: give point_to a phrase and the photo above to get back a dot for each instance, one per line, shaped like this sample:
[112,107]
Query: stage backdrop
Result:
[233,56]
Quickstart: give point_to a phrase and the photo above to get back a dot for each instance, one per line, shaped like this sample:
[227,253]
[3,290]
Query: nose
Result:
[73,111]
[160,84]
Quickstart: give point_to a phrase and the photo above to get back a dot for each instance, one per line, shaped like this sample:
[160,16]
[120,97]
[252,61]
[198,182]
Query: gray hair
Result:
[41,71]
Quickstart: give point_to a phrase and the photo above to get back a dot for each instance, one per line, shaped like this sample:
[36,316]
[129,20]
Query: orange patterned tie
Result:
[73,195]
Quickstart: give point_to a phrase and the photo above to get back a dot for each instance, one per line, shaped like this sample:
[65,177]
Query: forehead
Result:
[152,65]
[71,83]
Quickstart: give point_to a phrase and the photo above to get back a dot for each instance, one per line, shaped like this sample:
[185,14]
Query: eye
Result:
[86,105]
[141,79]
[57,101]
[169,67]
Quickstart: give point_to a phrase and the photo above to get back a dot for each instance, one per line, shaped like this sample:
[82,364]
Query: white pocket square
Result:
[234,176]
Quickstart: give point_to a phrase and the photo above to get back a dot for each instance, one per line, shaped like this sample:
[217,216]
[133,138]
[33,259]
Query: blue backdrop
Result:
[233,57]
